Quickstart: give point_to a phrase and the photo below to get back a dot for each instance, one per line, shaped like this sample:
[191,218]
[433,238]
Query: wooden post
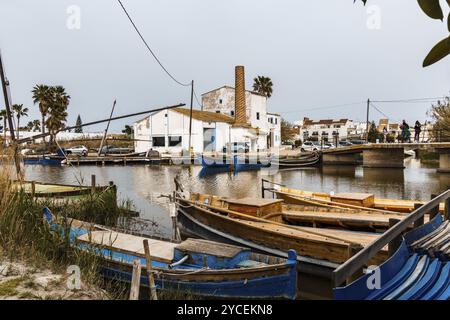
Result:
[419,221]
[151,279]
[447,209]
[33,189]
[353,249]
[135,280]
[262,188]
[435,210]
[395,243]
[93,183]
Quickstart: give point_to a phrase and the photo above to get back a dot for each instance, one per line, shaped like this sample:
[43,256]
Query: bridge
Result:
[385,155]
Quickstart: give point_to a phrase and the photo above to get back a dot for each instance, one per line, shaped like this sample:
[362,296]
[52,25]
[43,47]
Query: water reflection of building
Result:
[392,176]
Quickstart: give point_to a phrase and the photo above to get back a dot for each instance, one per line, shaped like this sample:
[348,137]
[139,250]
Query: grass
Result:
[26,236]
[8,288]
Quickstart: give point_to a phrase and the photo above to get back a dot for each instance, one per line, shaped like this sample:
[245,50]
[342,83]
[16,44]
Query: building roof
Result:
[205,116]
[309,122]
[273,114]
[230,87]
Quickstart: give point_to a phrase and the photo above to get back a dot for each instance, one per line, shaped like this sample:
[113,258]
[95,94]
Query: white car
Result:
[310,146]
[78,150]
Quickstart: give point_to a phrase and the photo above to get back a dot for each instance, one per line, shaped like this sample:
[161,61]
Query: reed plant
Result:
[26,236]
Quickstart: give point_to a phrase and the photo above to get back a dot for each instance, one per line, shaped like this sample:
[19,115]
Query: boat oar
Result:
[148,264]
[266,221]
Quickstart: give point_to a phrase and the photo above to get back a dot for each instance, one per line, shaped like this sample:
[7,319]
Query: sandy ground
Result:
[19,281]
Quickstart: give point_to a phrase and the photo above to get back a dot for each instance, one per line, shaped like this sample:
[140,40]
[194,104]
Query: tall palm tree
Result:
[3,115]
[20,112]
[42,95]
[263,85]
[57,111]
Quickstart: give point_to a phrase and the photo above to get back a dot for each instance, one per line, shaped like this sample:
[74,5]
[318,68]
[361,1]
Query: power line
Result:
[151,51]
[324,107]
[376,108]
[409,100]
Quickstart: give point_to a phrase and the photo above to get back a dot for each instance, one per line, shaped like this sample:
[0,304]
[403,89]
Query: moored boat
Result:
[236,163]
[305,160]
[348,200]
[193,266]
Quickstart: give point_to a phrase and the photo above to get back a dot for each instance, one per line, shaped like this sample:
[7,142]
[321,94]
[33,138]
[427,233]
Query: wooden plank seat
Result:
[162,251]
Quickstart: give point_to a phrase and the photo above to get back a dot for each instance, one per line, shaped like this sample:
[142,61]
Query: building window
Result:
[232,113]
[217,111]
[257,116]
[276,120]
[159,141]
[175,141]
[220,101]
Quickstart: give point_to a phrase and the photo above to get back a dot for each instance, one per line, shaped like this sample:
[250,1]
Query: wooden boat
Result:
[54,190]
[193,266]
[306,160]
[213,218]
[234,164]
[347,200]
[43,160]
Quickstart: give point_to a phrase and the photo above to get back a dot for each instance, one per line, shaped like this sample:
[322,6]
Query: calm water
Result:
[143,184]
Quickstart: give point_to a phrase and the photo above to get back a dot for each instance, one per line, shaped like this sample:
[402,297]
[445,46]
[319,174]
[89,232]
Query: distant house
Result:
[325,129]
[229,115]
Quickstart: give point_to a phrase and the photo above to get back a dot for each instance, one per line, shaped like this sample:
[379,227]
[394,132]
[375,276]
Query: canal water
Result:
[144,184]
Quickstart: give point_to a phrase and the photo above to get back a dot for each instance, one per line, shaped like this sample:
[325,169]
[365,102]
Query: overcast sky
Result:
[318,53]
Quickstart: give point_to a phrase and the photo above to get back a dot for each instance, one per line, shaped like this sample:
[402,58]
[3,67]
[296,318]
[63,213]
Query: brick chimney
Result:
[240,117]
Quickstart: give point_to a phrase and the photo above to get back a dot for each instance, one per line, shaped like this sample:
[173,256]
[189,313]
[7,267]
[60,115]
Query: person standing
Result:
[385,133]
[417,130]
[406,135]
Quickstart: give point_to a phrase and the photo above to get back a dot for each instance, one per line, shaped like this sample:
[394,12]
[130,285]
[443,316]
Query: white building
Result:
[229,115]
[325,129]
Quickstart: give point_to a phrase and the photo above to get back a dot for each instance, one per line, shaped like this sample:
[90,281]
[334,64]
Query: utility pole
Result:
[106,130]
[6,95]
[190,117]
[367,121]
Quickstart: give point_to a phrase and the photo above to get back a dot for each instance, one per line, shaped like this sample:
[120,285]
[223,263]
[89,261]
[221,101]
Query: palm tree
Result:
[57,110]
[3,115]
[42,95]
[20,112]
[36,125]
[263,85]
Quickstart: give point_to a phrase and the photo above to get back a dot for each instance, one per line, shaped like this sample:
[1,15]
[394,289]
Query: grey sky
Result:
[318,53]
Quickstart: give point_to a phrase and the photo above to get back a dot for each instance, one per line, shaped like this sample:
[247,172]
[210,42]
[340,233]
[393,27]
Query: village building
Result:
[326,129]
[229,115]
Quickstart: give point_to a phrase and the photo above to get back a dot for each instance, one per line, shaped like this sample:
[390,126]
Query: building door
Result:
[209,139]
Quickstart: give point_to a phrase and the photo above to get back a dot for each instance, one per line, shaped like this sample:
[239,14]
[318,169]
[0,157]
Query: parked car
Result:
[113,149]
[237,147]
[311,146]
[78,150]
[358,141]
[328,145]
[345,143]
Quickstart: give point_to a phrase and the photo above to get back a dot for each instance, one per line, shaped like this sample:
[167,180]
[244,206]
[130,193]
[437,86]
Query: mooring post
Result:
[93,183]
[353,249]
[394,244]
[435,210]
[262,188]
[148,264]
[135,280]
[419,221]
[447,209]
[33,189]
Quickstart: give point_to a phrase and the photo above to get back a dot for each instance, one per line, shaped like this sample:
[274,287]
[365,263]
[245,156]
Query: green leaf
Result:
[439,51]
[432,8]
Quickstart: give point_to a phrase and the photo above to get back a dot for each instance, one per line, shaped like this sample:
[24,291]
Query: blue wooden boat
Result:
[194,266]
[419,269]
[234,164]
[44,160]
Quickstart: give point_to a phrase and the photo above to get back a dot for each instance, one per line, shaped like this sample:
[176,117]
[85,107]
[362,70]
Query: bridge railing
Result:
[359,260]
